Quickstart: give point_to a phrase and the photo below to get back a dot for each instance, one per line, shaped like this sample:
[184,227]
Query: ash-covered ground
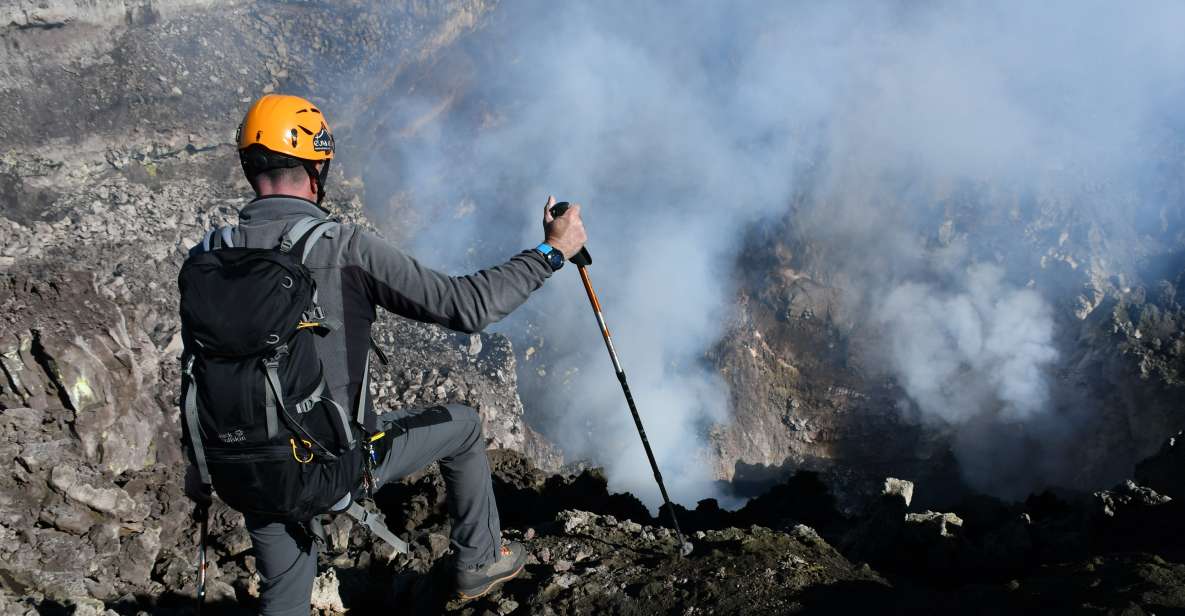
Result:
[117,155]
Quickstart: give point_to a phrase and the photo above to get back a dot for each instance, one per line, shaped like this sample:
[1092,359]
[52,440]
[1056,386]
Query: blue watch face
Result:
[556,259]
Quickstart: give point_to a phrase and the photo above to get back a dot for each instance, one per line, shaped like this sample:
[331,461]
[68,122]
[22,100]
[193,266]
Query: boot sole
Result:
[490,586]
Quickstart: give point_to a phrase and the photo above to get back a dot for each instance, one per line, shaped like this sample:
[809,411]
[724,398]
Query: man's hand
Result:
[565,233]
[198,492]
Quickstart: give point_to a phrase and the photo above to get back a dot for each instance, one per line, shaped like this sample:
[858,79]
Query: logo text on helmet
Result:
[323,141]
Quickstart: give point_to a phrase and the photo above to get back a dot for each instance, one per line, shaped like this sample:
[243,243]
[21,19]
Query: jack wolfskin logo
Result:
[323,141]
[237,436]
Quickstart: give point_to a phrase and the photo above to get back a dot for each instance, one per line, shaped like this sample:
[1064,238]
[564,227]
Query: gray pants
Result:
[287,560]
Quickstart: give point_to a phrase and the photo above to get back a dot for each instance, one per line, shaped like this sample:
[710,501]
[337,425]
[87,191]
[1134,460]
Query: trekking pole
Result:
[202,513]
[582,260]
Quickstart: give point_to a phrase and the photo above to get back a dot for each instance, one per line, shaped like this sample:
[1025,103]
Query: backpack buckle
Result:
[317,313]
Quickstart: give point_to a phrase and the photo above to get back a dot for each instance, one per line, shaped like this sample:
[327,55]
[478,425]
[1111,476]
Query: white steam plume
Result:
[983,346]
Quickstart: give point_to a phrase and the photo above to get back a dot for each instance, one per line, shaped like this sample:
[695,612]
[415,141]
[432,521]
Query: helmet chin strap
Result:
[318,177]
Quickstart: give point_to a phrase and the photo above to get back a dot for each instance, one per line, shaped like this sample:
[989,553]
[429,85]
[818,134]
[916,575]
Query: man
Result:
[285,147]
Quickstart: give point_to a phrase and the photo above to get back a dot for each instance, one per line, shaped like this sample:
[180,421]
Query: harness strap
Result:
[227,234]
[274,395]
[206,240]
[376,526]
[191,422]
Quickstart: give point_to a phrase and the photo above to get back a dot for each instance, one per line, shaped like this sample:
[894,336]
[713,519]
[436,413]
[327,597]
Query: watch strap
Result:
[554,258]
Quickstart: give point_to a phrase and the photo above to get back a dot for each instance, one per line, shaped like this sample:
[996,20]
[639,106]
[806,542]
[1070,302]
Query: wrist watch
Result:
[554,257]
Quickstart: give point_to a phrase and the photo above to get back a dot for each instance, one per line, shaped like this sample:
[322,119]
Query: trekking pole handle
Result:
[582,258]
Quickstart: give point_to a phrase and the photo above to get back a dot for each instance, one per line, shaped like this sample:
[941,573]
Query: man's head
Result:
[294,181]
[285,147]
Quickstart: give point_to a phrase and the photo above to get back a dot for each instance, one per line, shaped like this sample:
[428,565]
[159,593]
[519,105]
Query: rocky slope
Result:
[787,552]
[99,208]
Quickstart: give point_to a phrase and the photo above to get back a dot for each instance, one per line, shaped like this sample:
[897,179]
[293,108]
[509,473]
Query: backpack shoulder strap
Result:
[302,235]
[221,237]
[206,240]
[297,231]
[313,236]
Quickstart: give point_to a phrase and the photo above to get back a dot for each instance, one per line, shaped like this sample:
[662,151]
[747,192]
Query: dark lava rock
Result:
[1165,471]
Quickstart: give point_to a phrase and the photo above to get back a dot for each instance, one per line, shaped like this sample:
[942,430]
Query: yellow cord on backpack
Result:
[307,445]
[307,325]
[369,461]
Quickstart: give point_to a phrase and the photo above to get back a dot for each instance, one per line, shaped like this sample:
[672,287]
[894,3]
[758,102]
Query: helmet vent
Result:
[303,111]
[306,131]
[293,137]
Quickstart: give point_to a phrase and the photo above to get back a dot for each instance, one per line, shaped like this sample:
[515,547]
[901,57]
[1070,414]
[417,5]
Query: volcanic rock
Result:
[1128,495]
[1162,471]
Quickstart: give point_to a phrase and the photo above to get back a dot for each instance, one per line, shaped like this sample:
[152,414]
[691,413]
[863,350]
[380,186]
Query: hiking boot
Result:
[475,582]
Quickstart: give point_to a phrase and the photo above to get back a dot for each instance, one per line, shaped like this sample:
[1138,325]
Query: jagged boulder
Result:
[935,538]
[1126,497]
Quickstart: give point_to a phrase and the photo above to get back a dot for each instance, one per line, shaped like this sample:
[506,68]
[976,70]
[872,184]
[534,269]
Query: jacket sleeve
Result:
[399,283]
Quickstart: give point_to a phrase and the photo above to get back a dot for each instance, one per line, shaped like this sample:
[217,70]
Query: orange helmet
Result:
[282,131]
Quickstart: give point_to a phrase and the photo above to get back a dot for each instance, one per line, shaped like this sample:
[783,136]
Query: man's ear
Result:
[312,179]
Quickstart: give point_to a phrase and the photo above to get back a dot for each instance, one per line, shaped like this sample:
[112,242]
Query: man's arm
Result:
[399,283]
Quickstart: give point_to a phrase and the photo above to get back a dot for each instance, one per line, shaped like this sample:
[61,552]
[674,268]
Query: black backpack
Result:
[258,415]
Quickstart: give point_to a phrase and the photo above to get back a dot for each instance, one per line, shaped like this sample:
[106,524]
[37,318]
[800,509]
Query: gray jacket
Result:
[356,271]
